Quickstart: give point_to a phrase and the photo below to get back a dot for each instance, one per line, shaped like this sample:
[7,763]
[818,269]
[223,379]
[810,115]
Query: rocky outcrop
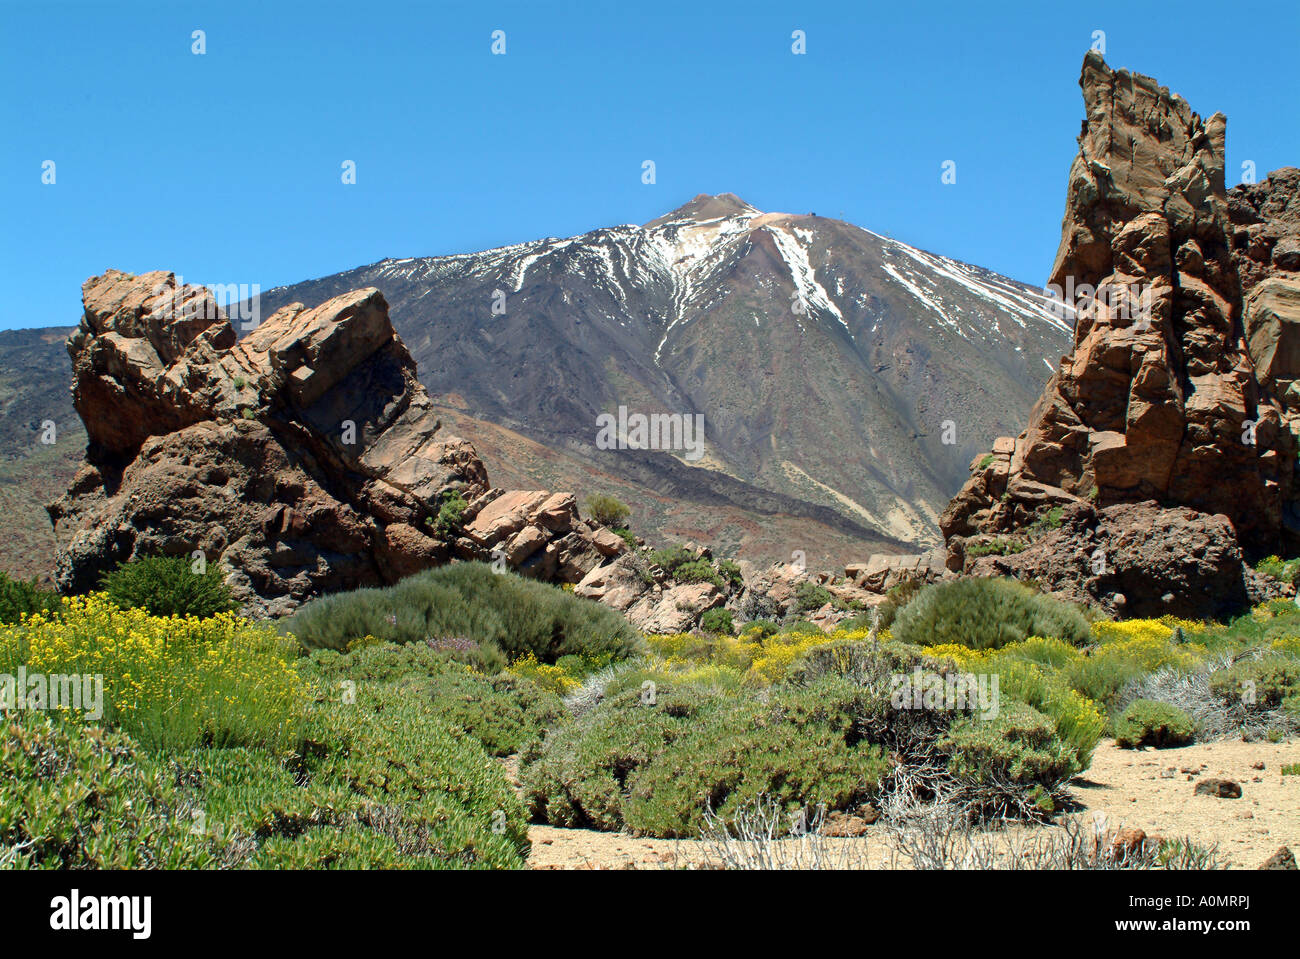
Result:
[1266,248]
[1159,402]
[1138,559]
[1266,227]
[304,458]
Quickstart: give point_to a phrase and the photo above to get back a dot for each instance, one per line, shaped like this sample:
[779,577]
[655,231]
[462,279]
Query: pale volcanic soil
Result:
[1148,789]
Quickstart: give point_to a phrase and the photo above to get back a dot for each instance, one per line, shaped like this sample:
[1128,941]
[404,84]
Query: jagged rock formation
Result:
[1159,401]
[304,458]
[1266,227]
[1266,247]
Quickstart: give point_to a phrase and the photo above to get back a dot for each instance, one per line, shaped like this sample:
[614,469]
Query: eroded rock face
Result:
[304,458]
[1138,559]
[1266,227]
[1159,400]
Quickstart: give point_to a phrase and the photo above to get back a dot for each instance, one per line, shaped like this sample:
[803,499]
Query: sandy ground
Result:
[1150,789]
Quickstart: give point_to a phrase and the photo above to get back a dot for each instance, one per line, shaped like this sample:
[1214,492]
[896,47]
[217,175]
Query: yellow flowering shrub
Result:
[1288,644]
[761,660]
[960,655]
[544,675]
[168,680]
[1105,631]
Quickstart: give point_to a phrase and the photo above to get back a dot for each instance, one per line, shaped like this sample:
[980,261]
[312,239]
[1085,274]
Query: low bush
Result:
[698,571]
[380,782]
[451,514]
[1259,684]
[651,759]
[552,678]
[717,621]
[497,618]
[74,797]
[671,557]
[505,713]
[1288,571]
[896,597]
[607,510]
[987,614]
[1017,751]
[19,599]
[1147,723]
[809,596]
[169,586]
[732,574]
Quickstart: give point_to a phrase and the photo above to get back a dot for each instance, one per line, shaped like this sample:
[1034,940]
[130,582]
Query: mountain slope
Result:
[35,376]
[824,358]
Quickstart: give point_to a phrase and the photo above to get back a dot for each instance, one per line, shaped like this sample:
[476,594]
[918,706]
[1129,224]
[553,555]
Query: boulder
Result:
[674,610]
[1219,788]
[1135,559]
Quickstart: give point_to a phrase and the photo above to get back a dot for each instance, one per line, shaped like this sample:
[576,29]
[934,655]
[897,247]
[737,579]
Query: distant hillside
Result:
[35,378]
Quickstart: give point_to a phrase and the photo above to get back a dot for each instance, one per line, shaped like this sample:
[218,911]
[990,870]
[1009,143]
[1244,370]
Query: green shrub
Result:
[809,596]
[652,763]
[671,557]
[731,573]
[168,586]
[1048,520]
[987,614]
[377,662]
[717,621]
[494,618]
[451,515]
[78,797]
[1270,681]
[1288,571]
[382,781]
[760,629]
[1148,723]
[998,546]
[579,779]
[896,597]
[697,571]
[1079,723]
[626,536]
[504,712]
[800,751]
[608,511]
[19,599]
[1019,746]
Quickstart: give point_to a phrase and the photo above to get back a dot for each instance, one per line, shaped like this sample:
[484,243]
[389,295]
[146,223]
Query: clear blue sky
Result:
[226,167]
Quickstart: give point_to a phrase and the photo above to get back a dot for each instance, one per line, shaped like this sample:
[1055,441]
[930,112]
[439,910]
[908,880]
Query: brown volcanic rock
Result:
[1266,227]
[305,458]
[1159,399]
[1136,559]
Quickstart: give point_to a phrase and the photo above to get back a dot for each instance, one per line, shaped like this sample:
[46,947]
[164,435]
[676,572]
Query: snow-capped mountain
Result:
[844,378]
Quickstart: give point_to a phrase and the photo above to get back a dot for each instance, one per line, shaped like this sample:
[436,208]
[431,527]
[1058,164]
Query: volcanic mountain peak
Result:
[781,329]
[705,207]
